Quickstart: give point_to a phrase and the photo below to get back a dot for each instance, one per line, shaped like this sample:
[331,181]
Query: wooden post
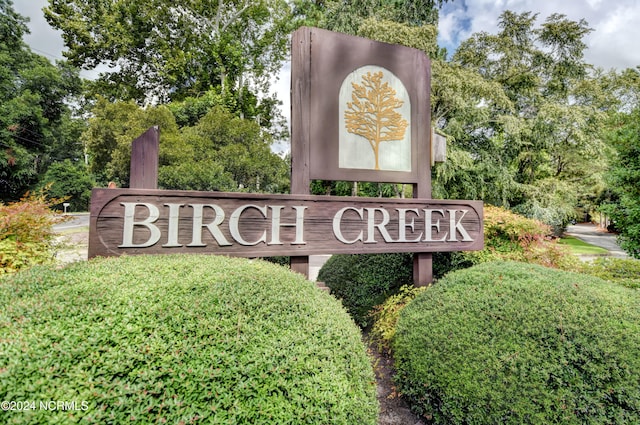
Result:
[144,160]
[422,262]
[300,127]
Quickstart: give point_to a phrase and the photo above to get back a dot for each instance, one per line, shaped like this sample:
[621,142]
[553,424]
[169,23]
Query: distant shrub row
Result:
[181,339]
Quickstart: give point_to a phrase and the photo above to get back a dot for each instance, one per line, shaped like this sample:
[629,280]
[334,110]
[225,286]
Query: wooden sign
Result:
[360,108]
[360,112]
[141,221]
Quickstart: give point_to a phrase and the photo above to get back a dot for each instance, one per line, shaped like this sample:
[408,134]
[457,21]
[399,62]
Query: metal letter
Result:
[275,225]
[402,224]
[429,225]
[234,221]
[337,231]
[129,223]
[196,238]
[371,225]
[174,215]
[456,226]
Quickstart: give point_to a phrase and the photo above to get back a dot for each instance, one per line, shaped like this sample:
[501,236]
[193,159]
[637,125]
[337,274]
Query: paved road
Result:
[77,220]
[595,235]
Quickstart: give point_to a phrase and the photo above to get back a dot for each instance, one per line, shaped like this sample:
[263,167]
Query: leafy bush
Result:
[385,316]
[622,271]
[513,237]
[366,280]
[623,175]
[513,343]
[26,234]
[363,281]
[181,339]
[550,201]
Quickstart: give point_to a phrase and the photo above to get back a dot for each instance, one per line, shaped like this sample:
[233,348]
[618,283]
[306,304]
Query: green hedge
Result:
[513,343]
[366,280]
[180,339]
[624,271]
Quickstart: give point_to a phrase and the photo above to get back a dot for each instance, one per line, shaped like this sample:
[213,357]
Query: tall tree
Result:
[624,180]
[36,126]
[161,50]
[546,130]
[346,16]
[221,151]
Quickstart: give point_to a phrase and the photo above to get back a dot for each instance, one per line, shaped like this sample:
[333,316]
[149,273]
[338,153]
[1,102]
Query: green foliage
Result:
[202,175]
[513,237]
[71,182]
[522,116]
[161,51]
[624,180]
[514,343]
[385,316]
[220,152]
[108,123]
[181,339]
[26,233]
[625,272]
[34,117]
[552,202]
[347,16]
[189,110]
[366,280]
[422,38]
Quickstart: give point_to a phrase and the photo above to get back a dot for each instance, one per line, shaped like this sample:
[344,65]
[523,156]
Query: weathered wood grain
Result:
[306,224]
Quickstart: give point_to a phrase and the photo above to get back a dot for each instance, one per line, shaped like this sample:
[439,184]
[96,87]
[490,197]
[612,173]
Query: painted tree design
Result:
[372,113]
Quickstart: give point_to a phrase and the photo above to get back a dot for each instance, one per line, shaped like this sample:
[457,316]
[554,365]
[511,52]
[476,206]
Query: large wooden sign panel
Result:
[361,107]
[141,221]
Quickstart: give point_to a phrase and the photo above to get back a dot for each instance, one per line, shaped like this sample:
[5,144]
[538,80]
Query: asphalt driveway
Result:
[594,235]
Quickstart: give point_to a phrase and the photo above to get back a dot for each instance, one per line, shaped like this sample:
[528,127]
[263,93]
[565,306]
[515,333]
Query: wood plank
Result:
[144,160]
[257,225]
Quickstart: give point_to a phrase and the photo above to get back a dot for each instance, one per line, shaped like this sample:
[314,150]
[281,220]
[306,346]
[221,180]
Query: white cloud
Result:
[611,44]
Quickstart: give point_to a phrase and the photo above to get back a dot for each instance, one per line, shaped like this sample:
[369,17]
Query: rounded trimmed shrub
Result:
[180,339]
[514,343]
[363,281]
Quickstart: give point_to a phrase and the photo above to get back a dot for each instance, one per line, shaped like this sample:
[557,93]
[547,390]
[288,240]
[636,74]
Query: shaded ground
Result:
[393,409]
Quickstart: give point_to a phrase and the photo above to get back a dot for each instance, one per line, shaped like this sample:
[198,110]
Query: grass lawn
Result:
[580,247]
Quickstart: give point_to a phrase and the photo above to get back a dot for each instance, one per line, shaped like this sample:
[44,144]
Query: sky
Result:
[611,44]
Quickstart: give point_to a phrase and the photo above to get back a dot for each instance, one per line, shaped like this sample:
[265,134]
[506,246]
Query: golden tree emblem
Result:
[373,114]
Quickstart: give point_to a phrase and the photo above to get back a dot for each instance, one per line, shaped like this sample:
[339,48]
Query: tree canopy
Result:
[162,50]
[530,124]
[624,180]
[531,138]
[36,125]
[221,151]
